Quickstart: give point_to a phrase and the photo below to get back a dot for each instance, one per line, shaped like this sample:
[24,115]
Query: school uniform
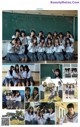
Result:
[20,53]
[16,77]
[29,77]
[11,55]
[46,116]
[58,52]
[32,53]
[41,121]
[27,118]
[72,91]
[69,52]
[8,101]
[13,101]
[8,79]
[52,118]
[69,91]
[18,102]
[60,91]
[25,43]
[49,53]
[31,118]
[35,119]
[66,90]
[52,94]
[41,53]
[42,90]
[67,118]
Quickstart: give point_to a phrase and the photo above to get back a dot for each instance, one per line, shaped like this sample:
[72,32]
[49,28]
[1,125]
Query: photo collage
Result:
[39,68]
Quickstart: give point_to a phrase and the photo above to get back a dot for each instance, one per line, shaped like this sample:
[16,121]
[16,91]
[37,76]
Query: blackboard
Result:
[46,70]
[27,22]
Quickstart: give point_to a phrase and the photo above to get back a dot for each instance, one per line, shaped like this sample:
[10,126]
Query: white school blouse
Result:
[15,74]
[52,116]
[7,98]
[31,48]
[24,74]
[40,48]
[70,49]
[21,50]
[8,75]
[27,116]
[18,98]
[59,48]
[11,48]
[41,88]
[28,74]
[59,87]
[41,120]
[46,115]
[50,49]
[24,40]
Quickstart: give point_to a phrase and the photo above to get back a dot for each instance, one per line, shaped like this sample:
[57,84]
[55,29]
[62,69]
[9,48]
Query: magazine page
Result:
[40,63]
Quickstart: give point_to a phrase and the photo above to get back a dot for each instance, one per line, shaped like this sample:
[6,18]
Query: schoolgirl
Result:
[57,73]
[32,35]
[70,91]
[52,116]
[58,50]
[49,36]
[35,95]
[8,81]
[13,101]
[66,91]
[32,50]
[73,91]
[69,36]
[27,117]
[20,49]
[29,78]
[21,74]
[41,48]
[17,34]
[61,39]
[60,89]
[40,35]
[27,93]
[11,55]
[69,48]
[41,119]
[18,100]
[16,76]
[50,50]
[8,100]
[52,92]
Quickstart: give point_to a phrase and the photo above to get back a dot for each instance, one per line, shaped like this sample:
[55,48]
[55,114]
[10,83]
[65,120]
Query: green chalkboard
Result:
[76,28]
[46,70]
[27,22]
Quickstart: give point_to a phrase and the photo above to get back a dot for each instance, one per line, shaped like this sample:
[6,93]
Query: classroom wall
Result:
[27,22]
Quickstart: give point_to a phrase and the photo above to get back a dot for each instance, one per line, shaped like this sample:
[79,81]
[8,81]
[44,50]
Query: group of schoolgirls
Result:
[23,48]
[40,116]
[13,101]
[18,76]
[31,94]
[70,91]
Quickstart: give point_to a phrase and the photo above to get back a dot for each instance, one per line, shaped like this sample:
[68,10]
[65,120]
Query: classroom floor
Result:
[65,61]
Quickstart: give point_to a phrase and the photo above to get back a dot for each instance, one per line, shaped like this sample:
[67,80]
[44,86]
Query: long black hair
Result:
[11,71]
[16,70]
[27,68]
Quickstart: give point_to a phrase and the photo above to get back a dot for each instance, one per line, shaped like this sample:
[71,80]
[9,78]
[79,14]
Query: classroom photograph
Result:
[20,75]
[39,113]
[51,90]
[12,99]
[66,113]
[70,89]
[70,70]
[50,71]
[40,36]
[13,117]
